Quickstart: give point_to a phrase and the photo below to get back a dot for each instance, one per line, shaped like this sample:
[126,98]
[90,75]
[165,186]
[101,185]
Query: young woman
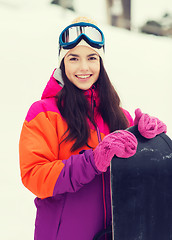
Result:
[64,154]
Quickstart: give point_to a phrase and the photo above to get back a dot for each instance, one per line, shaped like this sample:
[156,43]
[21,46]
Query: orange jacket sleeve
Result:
[38,150]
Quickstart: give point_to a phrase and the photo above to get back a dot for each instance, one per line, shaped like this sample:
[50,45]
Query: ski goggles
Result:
[72,35]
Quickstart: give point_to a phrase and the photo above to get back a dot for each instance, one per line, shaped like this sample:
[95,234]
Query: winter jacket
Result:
[73,197]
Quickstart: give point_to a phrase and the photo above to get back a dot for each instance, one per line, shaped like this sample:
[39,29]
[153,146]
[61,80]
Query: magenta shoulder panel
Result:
[44,105]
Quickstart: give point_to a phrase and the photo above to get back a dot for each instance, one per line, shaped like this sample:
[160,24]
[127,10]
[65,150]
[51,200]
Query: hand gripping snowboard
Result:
[141,188]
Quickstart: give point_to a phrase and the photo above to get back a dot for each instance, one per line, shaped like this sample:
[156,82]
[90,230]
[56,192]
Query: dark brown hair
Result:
[75,108]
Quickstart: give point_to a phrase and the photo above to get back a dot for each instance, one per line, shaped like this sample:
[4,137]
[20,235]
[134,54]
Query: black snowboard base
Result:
[142,191]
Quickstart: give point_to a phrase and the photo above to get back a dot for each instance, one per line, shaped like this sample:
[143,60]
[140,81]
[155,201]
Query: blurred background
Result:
[138,37]
[151,17]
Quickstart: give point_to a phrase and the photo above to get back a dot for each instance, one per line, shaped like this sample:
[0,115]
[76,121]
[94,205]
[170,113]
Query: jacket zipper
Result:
[104,189]
[93,104]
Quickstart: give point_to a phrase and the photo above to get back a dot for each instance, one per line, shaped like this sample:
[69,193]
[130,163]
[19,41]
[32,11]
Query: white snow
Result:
[138,65]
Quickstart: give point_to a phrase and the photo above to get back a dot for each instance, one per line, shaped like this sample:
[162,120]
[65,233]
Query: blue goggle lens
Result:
[72,33]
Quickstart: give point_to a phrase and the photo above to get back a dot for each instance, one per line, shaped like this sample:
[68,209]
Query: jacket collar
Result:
[55,84]
[52,87]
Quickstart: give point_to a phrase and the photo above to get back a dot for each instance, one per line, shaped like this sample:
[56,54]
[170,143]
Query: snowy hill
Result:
[138,65]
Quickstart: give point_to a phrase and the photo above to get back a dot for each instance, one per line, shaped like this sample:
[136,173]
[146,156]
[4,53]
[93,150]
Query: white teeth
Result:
[83,76]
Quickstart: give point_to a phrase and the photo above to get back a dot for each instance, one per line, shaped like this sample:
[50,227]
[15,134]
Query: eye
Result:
[73,59]
[92,58]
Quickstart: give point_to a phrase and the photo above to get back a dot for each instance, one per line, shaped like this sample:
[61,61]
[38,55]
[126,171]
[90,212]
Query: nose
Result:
[84,65]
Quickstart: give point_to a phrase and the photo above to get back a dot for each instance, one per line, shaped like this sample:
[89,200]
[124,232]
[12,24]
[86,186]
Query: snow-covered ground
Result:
[138,65]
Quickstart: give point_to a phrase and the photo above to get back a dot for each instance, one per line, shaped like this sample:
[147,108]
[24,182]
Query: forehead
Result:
[82,50]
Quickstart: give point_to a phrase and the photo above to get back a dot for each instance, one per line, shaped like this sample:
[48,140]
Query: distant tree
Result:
[108,10]
[119,13]
[127,13]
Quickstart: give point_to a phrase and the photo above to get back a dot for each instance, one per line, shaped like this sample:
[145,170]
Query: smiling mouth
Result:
[83,76]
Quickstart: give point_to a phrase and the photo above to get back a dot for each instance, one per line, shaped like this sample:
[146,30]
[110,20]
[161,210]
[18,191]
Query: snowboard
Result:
[141,191]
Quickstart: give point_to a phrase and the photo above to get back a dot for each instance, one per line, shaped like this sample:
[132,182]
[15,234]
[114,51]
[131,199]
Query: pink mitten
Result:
[120,143]
[148,126]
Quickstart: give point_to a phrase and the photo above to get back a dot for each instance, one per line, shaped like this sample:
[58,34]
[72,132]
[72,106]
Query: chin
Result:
[84,87]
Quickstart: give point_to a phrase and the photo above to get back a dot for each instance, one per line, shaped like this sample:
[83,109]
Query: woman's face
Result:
[82,66]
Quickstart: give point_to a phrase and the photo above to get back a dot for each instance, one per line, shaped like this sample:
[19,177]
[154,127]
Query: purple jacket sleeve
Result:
[79,170]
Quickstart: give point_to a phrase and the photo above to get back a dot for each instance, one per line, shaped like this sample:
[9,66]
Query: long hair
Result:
[75,108]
